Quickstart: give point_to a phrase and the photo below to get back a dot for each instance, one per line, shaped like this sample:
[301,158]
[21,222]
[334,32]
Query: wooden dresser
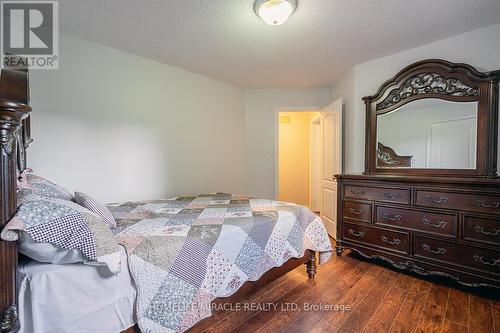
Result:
[429,198]
[429,225]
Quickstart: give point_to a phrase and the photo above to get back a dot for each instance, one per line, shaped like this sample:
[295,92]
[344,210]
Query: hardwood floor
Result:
[370,298]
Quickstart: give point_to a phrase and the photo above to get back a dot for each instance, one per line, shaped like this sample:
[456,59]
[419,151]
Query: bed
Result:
[74,298]
[195,251]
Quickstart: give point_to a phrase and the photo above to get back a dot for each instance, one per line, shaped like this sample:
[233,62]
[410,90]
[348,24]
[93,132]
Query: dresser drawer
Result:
[459,201]
[459,254]
[397,195]
[435,223]
[393,240]
[358,211]
[480,229]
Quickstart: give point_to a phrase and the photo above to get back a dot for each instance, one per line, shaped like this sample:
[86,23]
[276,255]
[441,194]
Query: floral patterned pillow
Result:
[31,185]
[66,225]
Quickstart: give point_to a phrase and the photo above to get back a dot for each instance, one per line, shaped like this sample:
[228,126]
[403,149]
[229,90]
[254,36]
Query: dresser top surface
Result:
[478,181]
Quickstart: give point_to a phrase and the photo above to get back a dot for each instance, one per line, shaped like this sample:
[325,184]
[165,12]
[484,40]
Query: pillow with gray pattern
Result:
[30,185]
[66,225]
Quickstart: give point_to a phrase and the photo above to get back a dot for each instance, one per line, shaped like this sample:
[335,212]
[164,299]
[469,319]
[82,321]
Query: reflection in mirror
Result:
[428,133]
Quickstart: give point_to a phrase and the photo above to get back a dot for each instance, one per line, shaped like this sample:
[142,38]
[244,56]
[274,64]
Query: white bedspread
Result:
[75,298]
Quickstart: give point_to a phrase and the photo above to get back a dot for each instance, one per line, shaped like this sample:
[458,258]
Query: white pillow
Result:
[47,252]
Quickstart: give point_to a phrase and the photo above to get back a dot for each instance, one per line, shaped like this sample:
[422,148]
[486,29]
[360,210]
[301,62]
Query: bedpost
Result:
[14,138]
[311,264]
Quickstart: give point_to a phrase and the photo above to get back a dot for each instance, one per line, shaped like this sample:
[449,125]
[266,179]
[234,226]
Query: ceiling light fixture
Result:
[275,12]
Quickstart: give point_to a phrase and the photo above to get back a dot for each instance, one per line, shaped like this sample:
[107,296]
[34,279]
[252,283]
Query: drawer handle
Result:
[392,195]
[356,211]
[483,231]
[440,250]
[395,241]
[487,205]
[359,234]
[353,192]
[392,217]
[437,201]
[494,262]
[438,224]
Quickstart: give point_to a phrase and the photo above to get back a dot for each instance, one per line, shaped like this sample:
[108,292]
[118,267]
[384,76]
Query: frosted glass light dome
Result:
[275,12]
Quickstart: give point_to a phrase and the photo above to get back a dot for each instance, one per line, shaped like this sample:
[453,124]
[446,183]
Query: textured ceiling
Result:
[225,40]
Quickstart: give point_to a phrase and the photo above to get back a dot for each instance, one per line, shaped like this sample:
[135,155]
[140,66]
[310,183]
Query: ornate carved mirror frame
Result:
[442,80]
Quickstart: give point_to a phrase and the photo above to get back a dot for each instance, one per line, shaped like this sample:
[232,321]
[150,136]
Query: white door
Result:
[452,144]
[331,131]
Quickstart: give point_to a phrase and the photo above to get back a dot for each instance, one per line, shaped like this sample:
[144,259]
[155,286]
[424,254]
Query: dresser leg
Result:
[311,265]
[339,250]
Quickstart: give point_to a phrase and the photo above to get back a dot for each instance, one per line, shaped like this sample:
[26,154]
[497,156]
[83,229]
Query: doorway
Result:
[309,154]
[295,164]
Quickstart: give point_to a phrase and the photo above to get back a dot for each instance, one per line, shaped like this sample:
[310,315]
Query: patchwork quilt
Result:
[185,252]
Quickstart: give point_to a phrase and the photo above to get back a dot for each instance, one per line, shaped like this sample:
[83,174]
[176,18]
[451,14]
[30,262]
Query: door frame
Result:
[315,151]
[277,111]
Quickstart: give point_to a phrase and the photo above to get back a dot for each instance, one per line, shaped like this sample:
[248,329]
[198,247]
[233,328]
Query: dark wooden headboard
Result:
[388,158]
[15,138]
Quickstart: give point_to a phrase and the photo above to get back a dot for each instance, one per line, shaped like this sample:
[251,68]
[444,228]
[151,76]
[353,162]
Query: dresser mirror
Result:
[428,133]
[434,118]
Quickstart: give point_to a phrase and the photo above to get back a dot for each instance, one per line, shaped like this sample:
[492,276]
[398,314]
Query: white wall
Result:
[344,88]
[261,107]
[122,127]
[480,48]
